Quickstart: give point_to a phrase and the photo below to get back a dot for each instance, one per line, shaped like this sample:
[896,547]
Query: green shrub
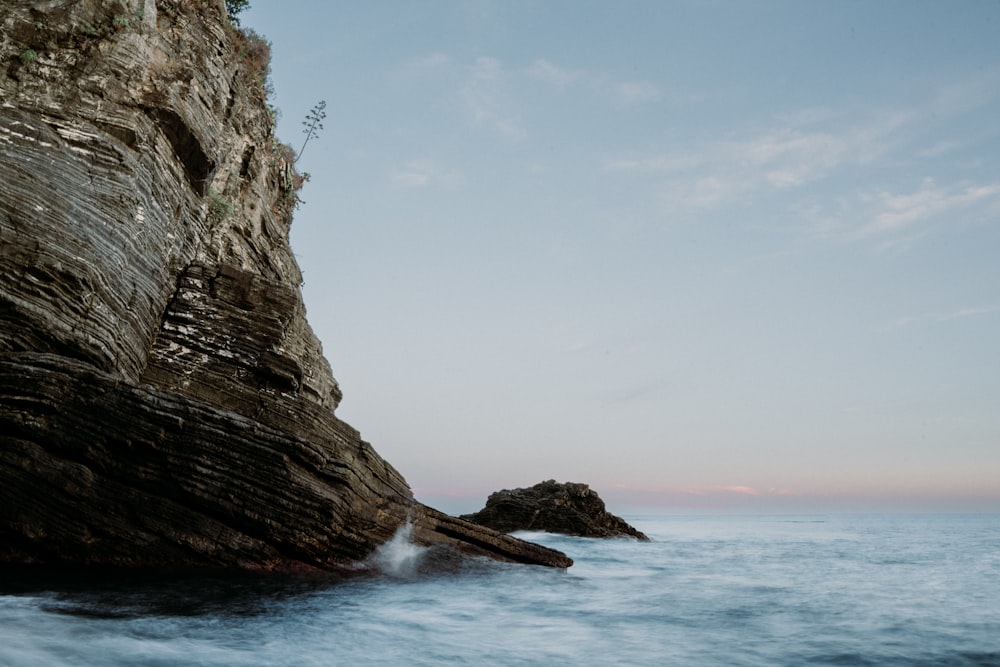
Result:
[219,207]
[235,7]
[27,56]
[257,52]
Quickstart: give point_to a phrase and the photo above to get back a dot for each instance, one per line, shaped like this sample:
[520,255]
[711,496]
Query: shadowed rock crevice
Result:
[197,165]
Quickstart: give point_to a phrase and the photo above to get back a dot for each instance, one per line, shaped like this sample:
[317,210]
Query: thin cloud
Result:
[719,174]
[423,173]
[938,149]
[893,212]
[425,70]
[430,62]
[709,490]
[965,312]
[739,490]
[724,173]
[716,489]
[637,92]
[480,89]
[697,495]
[710,192]
[666,162]
[781,158]
[486,97]
[488,92]
[946,316]
[560,78]
[790,158]
[626,93]
[894,219]
[952,98]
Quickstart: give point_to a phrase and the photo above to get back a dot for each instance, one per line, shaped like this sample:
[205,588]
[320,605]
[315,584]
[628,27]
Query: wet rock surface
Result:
[163,399]
[570,508]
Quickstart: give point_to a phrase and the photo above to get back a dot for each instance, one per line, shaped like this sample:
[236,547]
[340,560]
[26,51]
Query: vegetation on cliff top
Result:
[256,51]
[235,7]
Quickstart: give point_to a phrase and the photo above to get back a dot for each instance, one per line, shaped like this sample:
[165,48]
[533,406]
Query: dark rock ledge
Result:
[163,399]
[570,508]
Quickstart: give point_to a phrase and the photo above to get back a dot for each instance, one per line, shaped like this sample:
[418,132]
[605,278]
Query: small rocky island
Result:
[570,508]
[163,399]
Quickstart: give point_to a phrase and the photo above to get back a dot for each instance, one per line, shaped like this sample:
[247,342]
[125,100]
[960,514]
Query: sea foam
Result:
[400,556]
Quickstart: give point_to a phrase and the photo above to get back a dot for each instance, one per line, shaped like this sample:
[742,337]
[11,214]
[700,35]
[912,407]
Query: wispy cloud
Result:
[733,490]
[778,149]
[664,162]
[719,173]
[724,173]
[704,496]
[895,219]
[946,316]
[425,72]
[706,490]
[790,158]
[894,212]
[819,145]
[486,96]
[626,93]
[480,90]
[423,173]
[938,149]
[490,92]
[637,92]
[557,77]
[965,312]
[428,63]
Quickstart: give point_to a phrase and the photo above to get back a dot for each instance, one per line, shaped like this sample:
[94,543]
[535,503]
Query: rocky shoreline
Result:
[571,508]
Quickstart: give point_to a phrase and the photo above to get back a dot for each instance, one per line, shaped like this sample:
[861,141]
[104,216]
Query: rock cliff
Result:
[163,400]
[570,508]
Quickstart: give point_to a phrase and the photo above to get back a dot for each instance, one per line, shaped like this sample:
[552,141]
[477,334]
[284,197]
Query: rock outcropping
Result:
[163,400]
[570,508]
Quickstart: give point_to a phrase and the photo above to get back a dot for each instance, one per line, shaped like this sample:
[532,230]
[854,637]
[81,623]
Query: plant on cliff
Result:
[219,207]
[256,51]
[313,124]
[235,7]
[117,24]
[291,180]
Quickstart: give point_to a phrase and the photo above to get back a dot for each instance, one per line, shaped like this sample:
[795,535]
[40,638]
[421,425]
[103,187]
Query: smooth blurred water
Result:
[772,590]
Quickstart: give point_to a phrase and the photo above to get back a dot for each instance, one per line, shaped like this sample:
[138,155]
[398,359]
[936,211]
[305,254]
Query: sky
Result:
[701,255]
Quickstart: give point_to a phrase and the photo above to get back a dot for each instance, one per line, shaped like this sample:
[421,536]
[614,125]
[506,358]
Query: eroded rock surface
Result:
[163,399]
[570,508]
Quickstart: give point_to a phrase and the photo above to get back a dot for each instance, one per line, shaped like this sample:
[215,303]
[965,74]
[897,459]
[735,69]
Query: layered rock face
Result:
[570,508]
[163,400]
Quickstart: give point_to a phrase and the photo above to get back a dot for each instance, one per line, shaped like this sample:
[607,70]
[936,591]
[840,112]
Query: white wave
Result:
[400,556]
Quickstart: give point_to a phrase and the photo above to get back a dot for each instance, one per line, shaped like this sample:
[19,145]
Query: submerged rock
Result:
[570,508]
[163,399]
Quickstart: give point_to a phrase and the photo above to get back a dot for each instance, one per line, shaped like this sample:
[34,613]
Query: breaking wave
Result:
[400,557]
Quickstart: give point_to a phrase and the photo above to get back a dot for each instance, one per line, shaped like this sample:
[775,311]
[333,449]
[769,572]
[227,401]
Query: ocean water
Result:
[709,590]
